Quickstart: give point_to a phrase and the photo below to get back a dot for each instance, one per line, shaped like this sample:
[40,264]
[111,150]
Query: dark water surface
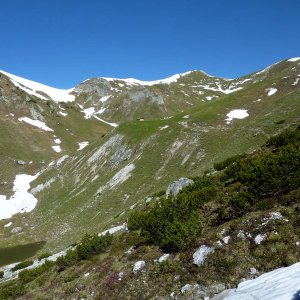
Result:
[14,254]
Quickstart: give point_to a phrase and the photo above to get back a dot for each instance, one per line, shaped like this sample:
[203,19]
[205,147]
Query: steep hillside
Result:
[227,226]
[95,188]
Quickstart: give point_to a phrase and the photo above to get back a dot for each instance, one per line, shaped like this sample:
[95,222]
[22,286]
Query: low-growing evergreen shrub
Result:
[44,255]
[22,265]
[88,246]
[29,275]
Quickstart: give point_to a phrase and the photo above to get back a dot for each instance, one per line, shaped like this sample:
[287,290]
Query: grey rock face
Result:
[17,230]
[176,186]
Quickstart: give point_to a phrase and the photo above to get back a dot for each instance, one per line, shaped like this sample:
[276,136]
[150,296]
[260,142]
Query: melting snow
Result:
[82,145]
[271,91]
[57,141]
[105,98]
[111,124]
[21,201]
[133,81]
[294,59]
[8,224]
[280,284]
[63,113]
[56,148]
[236,114]
[88,112]
[61,160]
[164,127]
[32,88]
[296,81]
[35,123]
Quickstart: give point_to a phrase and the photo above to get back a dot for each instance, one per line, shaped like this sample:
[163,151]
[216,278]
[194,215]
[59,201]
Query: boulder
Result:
[138,266]
[17,230]
[21,162]
[200,255]
[176,186]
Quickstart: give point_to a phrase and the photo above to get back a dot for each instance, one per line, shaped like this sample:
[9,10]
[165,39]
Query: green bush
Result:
[286,137]
[29,275]
[88,246]
[1,274]
[225,163]
[22,265]
[12,292]
[44,255]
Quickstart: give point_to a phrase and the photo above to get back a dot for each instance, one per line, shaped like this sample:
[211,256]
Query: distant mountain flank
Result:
[102,147]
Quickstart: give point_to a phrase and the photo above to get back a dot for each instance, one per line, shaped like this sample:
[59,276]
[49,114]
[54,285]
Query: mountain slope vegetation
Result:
[246,221]
[97,187]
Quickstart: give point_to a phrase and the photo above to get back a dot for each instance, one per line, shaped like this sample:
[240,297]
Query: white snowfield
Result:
[294,59]
[35,123]
[32,88]
[236,114]
[280,284]
[21,201]
[133,81]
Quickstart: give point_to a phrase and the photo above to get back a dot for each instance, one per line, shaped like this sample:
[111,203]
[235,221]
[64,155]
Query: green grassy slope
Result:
[249,218]
[96,187]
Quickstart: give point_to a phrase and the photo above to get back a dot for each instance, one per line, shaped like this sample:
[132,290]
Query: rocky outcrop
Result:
[176,186]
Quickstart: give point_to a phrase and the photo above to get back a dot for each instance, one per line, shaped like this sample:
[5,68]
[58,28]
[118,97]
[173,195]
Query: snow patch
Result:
[271,91]
[109,123]
[164,127]
[63,113]
[82,145]
[8,224]
[88,112]
[21,201]
[296,81]
[294,59]
[236,114]
[57,148]
[32,88]
[57,141]
[133,81]
[61,160]
[105,98]
[283,283]
[35,123]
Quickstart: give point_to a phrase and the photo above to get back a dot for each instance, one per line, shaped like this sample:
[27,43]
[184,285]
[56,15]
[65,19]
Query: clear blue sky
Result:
[62,42]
